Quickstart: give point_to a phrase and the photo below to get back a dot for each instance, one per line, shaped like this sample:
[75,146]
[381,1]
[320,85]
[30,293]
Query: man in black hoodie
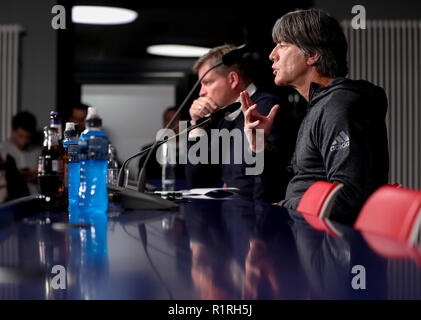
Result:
[343,137]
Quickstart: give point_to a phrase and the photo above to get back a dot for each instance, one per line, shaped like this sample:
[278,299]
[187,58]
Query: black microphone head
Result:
[231,108]
[236,55]
[219,114]
[223,112]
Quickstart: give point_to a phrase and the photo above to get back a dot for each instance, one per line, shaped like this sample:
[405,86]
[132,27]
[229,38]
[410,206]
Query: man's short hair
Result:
[314,31]
[215,55]
[26,121]
[81,106]
[170,109]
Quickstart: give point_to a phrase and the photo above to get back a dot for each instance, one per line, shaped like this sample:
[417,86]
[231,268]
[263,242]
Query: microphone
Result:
[142,175]
[212,117]
[219,114]
[215,116]
[240,53]
[228,59]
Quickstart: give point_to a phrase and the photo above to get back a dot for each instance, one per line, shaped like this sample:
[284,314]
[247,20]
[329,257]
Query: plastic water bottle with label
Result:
[70,144]
[168,160]
[112,171]
[93,154]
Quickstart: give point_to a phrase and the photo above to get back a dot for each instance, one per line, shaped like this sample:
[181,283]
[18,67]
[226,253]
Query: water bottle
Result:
[93,155]
[55,123]
[70,144]
[112,172]
[168,167]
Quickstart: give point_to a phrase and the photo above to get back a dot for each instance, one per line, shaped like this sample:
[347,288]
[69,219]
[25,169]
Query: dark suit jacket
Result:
[270,185]
[15,182]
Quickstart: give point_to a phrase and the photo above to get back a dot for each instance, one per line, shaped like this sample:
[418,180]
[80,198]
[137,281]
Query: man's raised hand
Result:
[253,121]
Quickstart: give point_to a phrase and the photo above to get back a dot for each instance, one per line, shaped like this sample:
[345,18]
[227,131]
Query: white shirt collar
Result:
[251,89]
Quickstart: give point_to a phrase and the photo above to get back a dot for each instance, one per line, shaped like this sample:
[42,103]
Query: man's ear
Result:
[312,59]
[233,79]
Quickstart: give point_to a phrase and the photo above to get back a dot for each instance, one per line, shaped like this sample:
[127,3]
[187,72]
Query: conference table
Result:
[234,248]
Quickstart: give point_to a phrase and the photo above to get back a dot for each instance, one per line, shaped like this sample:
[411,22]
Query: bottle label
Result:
[72,152]
[47,166]
[40,165]
[57,125]
[98,148]
[56,166]
[83,149]
[72,148]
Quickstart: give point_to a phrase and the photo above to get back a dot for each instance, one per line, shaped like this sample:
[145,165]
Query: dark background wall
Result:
[376,9]
[38,56]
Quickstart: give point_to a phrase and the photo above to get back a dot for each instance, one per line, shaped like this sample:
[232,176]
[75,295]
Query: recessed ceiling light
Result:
[102,15]
[176,50]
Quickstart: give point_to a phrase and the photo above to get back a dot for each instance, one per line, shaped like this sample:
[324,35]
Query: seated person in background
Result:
[19,147]
[221,87]
[153,168]
[12,183]
[78,116]
[343,137]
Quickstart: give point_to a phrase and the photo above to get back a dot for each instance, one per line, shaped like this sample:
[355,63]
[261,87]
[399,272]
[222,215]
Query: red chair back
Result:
[318,200]
[392,212]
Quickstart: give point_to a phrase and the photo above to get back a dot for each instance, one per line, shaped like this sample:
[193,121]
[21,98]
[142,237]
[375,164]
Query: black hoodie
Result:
[343,138]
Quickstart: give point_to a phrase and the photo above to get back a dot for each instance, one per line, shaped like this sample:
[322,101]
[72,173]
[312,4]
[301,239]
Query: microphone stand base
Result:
[134,200]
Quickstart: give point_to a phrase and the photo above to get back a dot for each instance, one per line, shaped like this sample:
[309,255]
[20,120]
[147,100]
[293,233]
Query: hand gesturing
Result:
[254,121]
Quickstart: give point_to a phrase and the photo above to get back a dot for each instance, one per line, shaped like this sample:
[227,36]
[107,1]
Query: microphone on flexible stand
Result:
[212,117]
[229,59]
[209,118]
[218,114]
[232,57]
[240,53]
[142,174]
[132,199]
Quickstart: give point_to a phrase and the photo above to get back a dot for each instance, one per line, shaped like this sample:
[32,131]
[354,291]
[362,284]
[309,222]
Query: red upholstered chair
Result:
[397,185]
[318,200]
[392,212]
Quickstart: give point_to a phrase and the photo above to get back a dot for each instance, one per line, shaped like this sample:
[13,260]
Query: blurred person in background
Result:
[78,116]
[153,168]
[22,149]
[12,183]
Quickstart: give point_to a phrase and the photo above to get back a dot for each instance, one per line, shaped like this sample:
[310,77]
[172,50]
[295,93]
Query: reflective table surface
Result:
[236,248]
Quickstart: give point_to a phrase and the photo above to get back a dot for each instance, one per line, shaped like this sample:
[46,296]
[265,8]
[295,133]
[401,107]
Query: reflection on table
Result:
[207,249]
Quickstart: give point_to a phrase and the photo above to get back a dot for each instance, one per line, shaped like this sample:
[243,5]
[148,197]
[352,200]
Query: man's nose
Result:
[273,54]
[203,92]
